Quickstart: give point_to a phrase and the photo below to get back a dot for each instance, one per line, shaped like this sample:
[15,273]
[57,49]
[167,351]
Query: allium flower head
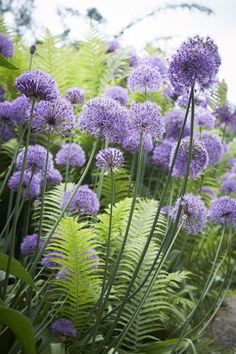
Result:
[2,93]
[105,117]
[110,159]
[224,113]
[199,158]
[75,95]
[232,161]
[117,93]
[228,186]
[161,153]
[6,116]
[170,92]
[29,244]
[6,46]
[35,159]
[193,212]
[201,98]
[173,123]
[144,78]
[223,211]
[6,133]
[53,177]
[134,60]
[146,119]
[157,62]
[214,147]
[31,185]
[131,141]
[53,117]
[208,191]
[72,152]
[197,61]
[85,201]
[19,107]
[50,260]
[37,85]
[204,118]
[64,328]
[113,45]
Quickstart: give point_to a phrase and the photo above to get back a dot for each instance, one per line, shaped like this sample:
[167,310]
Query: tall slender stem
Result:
[68,165]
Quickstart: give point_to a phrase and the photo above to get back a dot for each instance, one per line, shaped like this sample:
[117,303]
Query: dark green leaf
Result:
[6,64]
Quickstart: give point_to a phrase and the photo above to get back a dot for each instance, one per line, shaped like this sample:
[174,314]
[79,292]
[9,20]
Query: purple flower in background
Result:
[208,191]
[117,93]
[204,118]
[197,61]
[6,133]
[37,85]
[157,62]
[213,146]
[6,46]
[92,257]
[35,159]
[223,211]
[144,79]
[72,152]
[131,142]
[19,107]
[199,158]
[50,259]
[170,92]
[104,117]
[110,159]
[193,212]
[173,123]
[29,245]
[134,60]
[53,177]
[224,113]
[201,98]
[64,328]
[6,117]
[146,119]
[232,161]
[161,153]
[53,117]
[85,201]
[31,184]
[75,95]
[229,185]
[2,93]
[113,45]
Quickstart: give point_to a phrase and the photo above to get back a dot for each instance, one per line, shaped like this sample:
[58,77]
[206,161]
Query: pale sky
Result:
[221,25]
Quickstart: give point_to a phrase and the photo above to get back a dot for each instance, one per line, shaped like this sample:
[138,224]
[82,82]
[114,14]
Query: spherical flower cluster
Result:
[201,98]
[113,45]
[104,117]
[228,183]
[161,153]
[214,147]
[2,93]
[197,61]
[157,62]
[144,79]
[204,118]
[171,93]
[53,117]
[232,161]
[199,158]
[110,159]
[50,259]
[193,213]
[6,133]
[6,121]
[35,159]
[37,85]
[29,245]
[224,113]
[75,95]
[31,184]
[71,152]
[134,60]
[131,141]
[85,201]
[6,46]
[64,328]
[117,93]
[146,119]
[19,107]
[174,119]
[208,191]
[53,177]
[223,211]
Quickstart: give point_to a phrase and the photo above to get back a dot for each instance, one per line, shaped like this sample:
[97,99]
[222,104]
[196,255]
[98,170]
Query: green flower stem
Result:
[68,165]
[224,132]
[132,169]
[206,288]
[101,174]
[17,203]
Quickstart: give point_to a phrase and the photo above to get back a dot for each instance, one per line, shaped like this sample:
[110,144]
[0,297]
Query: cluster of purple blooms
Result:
[71,153]
[84,201]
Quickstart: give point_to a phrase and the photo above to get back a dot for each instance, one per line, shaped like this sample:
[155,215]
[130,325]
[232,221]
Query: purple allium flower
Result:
[113,45]
[37,85]
[64,328]
[224,113]
[53,117]
[63,274]
[213,146]
[35,159]
[131,142]
[31,184]
[170,92]
[161,153]
[146,119]
[50,259]
[53,177]
[2,93]
[105,117]
[143,79]
[6,46]
[6,133]
[85,201]
[166,209]
[29,244]
[232,161]
[117,93]
[201,98]
[19,107]
[174,119]
[6,118]
[199,158]
[75,95]
[197,61]
[110,159]
[157,62]
[204,118]
[223,211]
[229,185]
[72,152]
[134,60]
[193,212]
[92,257]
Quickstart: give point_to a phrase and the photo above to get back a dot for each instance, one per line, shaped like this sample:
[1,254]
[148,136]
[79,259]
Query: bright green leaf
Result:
[6,64]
